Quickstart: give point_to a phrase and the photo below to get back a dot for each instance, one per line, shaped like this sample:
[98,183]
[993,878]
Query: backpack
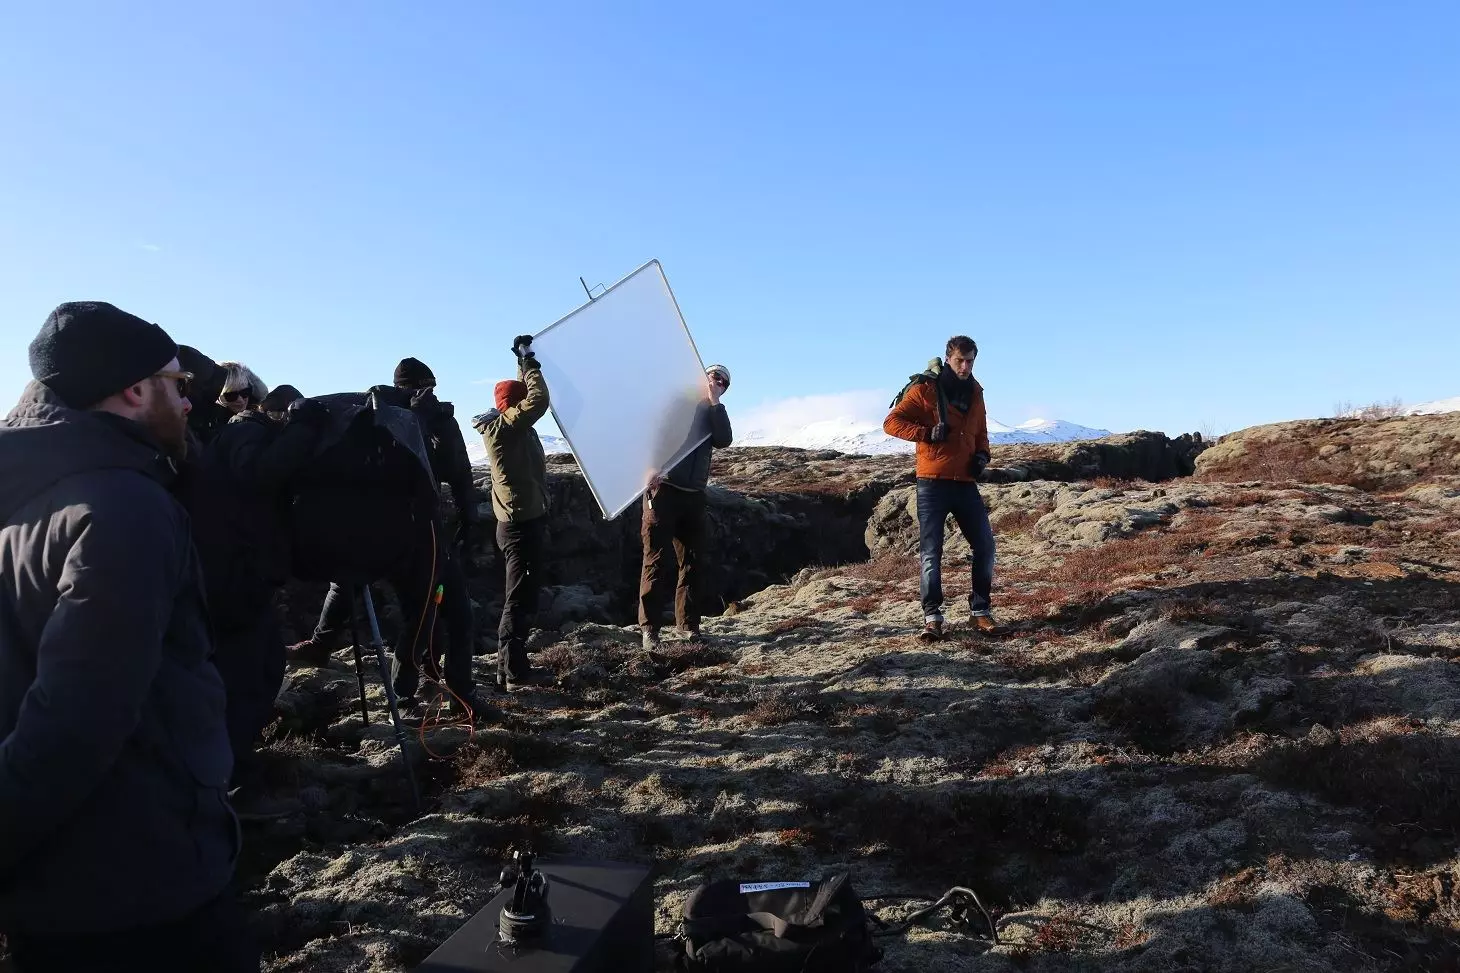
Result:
[777,927]
[929,374]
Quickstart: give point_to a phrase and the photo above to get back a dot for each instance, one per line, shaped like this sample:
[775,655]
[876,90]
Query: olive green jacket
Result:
[519,468]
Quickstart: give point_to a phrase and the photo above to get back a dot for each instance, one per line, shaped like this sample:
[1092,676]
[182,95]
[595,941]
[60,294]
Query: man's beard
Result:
[169,426]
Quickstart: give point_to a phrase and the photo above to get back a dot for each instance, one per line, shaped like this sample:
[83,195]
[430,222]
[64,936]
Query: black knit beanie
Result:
[208,378]
[89,350]
[412,373]
[278,400]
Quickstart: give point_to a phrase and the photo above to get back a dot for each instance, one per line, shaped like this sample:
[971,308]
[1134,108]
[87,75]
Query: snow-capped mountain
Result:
[851,436]
[477,453]
[1431,408]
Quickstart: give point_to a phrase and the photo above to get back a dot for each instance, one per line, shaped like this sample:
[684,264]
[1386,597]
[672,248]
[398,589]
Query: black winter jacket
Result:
[114,759]
[235,495]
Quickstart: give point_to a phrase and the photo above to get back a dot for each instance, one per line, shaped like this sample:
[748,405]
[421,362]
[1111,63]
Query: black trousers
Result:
[214,939]
[415,579]
[521,543]
[673,519]
[251,662]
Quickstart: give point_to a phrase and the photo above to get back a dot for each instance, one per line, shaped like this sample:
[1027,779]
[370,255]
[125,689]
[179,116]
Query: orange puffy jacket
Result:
[913,418]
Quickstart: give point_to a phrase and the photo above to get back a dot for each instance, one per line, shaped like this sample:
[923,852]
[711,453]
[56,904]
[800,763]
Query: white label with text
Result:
[771,886]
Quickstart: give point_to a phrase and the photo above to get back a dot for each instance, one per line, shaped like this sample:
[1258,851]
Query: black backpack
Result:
[777,927]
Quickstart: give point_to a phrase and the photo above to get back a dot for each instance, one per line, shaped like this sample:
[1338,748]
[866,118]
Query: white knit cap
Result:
[722,370]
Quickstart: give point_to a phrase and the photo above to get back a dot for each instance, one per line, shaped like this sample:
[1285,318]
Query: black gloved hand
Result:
[938,433]
[980,463]
[522,346]
[311,412]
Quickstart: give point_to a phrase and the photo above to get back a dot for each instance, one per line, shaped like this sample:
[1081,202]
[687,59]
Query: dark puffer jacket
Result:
[114,758]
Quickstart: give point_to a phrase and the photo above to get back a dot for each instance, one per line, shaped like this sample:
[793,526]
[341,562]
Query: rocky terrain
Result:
[1220,732]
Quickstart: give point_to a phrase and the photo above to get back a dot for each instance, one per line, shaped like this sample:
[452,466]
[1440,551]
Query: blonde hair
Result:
[241,378]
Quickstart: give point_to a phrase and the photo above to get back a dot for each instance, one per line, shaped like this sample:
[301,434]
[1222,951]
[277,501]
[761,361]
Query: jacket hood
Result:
[43,441]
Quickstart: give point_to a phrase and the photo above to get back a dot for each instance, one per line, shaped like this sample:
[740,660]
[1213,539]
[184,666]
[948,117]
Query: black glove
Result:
[310,412]
[522,346]
[938,433]
[980,463]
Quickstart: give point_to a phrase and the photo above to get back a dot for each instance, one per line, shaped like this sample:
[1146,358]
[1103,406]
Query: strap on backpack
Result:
[929,374]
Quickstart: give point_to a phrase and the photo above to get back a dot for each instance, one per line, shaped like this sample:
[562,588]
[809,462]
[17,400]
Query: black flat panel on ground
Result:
[603,922]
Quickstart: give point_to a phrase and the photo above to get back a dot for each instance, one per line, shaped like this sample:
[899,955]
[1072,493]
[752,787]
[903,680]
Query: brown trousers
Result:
[672,518]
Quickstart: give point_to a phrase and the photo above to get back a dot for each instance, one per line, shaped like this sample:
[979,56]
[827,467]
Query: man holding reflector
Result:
[674,517]
[519,501]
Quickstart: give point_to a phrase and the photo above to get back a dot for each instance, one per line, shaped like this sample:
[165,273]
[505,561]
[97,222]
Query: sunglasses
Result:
[719,379]
[184,381]
[234,396]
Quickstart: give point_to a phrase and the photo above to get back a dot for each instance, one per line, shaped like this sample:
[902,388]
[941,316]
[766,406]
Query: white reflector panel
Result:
[625,378]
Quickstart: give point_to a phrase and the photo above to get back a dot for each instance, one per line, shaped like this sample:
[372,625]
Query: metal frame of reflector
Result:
[566,424]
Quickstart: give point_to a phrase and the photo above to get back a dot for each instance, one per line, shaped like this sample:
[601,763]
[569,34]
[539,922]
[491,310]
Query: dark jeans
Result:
[672,519]
[521,543]
[415,579]
[215,939]
[251,662]
[936,500]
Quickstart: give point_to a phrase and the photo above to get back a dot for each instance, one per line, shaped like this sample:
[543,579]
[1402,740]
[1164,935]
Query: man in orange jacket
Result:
[944,414]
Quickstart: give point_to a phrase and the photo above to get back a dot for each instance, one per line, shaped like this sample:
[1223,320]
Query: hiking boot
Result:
[534,676]
[315,651]
[690,633]
[932,630]
[984,625]
[651,639]
[472,704]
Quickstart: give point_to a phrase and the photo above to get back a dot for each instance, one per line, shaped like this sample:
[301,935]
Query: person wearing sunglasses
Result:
[675,521]
[242,389]
[117,841]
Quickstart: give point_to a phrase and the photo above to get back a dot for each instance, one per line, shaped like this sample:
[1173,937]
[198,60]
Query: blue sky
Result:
[1149,215]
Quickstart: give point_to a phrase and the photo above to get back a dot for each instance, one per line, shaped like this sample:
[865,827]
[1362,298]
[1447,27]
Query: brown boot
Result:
[932,630]
[985,625]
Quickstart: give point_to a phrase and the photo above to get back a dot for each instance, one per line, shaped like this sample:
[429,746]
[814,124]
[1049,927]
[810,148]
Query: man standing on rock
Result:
[675,518]
[117,842]
[942,410]
[520,503]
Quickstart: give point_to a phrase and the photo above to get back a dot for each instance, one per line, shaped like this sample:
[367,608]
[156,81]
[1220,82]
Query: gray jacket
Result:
[693,472]
[114,759]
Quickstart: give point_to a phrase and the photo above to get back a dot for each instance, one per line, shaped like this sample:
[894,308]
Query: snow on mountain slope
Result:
[1431,408]
[852,436]
[477,452]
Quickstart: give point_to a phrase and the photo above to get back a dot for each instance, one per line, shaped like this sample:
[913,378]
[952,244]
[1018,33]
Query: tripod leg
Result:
[359,660]
[400,733]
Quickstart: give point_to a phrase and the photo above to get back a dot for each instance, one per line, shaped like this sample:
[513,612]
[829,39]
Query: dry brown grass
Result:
[1404,776]
[866,604]
[1286,461]
[793,623]
[886,568]
[772,711]
[1022,520]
